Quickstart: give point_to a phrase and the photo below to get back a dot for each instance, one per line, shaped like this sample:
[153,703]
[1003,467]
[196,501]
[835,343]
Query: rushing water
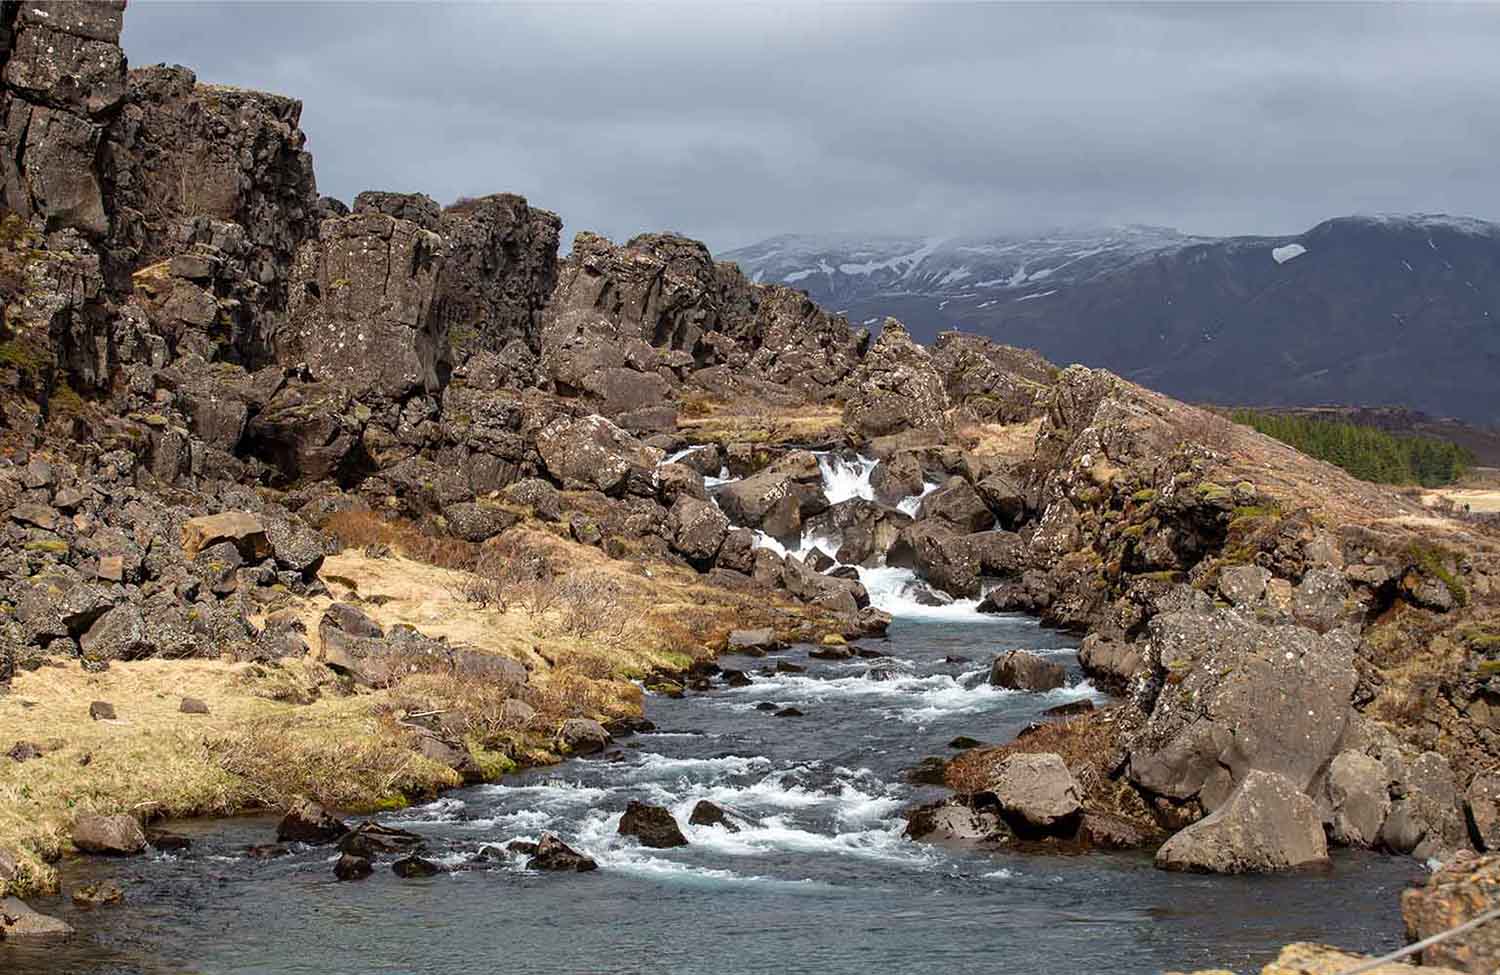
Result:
[819,878]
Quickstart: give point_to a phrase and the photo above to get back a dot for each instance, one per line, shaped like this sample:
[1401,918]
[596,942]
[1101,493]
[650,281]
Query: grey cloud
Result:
[735,122]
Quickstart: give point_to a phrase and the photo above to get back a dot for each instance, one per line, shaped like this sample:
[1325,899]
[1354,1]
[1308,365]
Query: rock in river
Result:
[308,822]
[653,826]
[1036,791]
[1024,671]
[351,867]
[553,854]
[1265,825]
[20,923]
[118,835]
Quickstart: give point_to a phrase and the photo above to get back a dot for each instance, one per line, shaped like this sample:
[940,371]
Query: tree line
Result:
[1368,453]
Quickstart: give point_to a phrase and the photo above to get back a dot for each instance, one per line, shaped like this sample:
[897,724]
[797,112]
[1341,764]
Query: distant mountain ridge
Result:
[1396,310]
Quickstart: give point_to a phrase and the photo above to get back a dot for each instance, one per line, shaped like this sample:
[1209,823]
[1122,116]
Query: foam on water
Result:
[846,478]
[909,505]
[895,590]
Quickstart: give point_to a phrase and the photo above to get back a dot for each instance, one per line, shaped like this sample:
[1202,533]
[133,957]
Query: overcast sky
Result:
[734,123]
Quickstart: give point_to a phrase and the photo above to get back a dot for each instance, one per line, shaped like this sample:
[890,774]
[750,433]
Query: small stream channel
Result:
[819,877]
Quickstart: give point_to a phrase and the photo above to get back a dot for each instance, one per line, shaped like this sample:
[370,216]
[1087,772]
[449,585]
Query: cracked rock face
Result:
[64,77]
[1239,696]
[363,314]
[1266,824]
[896,387]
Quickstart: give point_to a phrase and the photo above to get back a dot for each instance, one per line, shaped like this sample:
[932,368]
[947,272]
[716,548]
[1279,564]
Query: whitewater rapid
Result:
[892,589]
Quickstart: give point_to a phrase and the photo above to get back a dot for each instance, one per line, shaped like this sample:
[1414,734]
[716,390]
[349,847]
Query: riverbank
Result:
[272,730]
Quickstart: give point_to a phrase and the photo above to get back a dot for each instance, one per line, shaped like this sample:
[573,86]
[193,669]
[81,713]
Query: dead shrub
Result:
[589,604]
[1086,745]
[332,764]
[481,705]
[568,692]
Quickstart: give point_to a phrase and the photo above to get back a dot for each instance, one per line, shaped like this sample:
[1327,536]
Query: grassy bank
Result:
[289,728]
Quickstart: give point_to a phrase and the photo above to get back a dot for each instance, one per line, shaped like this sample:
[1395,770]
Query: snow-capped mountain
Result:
[842,269]
[1372,311]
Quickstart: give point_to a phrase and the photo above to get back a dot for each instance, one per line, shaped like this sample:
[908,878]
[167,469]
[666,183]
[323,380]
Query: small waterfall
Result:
[845,479]
[898,591]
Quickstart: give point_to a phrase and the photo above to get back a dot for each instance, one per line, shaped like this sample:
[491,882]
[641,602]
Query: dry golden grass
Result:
[1086,745]
[248,751]
[711,421]
[1011,443]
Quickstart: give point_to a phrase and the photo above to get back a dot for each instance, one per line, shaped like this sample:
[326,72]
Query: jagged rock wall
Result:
[191,166]
[363,312]
[64,78]
[628,325]
[501,269]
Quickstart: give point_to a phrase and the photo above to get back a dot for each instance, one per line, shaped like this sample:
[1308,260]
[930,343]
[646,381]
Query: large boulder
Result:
[697,529]
[896,388]
[775,501]
[951,820]
[1456,893]
[940,554]
[591,453]
[1359,794]
[581,736]
[957,503]
[652,826]
[1426,820]
[1483,800]
[1022,670]
[1109,663]
[362,312]
[865,530]
[119,634]
[242,529]
[896,478]
[1238,695]
[117,835]
[1266,824]
[1036,791]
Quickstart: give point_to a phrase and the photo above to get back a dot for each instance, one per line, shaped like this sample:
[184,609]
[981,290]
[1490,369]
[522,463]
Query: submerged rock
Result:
[370,840]
[101,894]
[351,867]
[412,866]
